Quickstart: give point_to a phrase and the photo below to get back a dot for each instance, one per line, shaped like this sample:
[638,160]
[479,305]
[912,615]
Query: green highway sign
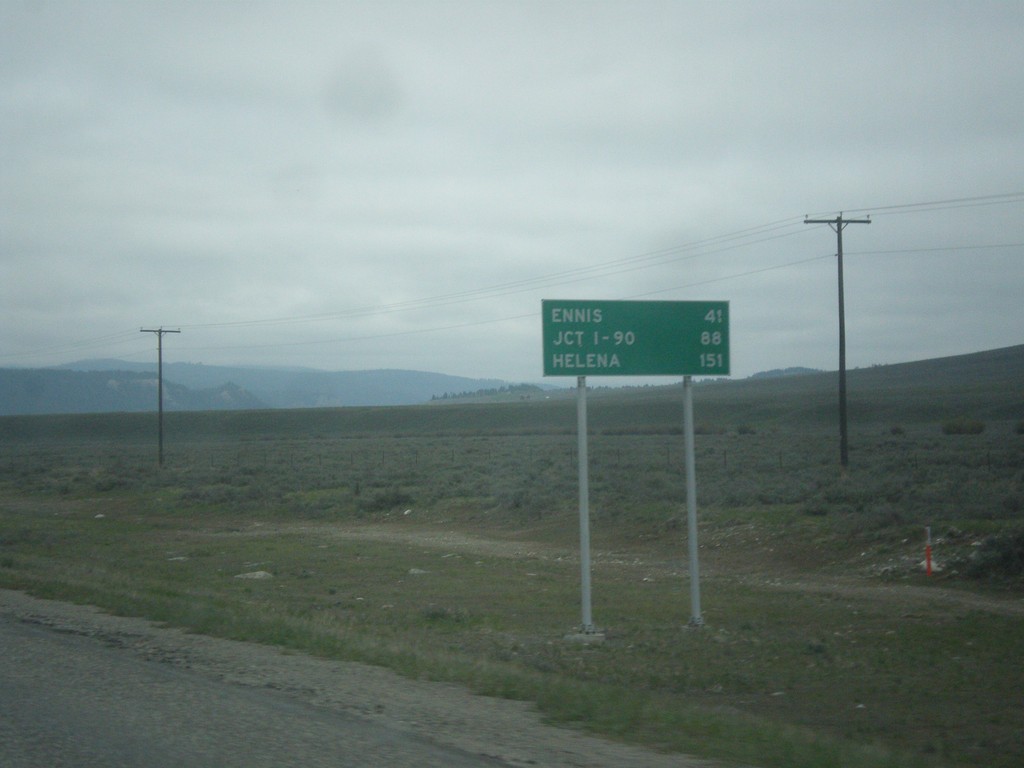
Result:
[635,338]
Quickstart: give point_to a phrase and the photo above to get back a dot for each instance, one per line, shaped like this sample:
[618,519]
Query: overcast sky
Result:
[356,185]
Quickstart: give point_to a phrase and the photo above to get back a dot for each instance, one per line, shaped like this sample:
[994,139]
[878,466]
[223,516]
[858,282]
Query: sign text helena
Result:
[575,361]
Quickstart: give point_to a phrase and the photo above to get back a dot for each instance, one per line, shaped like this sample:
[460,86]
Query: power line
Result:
[98,342]
[941,205]
[508,318]
[106,341]
[605,269]
[369,311]
[741,238]
[729,241]
[734,276]
[941,249]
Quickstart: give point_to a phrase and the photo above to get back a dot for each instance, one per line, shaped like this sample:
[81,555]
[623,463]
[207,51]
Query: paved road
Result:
[72,700]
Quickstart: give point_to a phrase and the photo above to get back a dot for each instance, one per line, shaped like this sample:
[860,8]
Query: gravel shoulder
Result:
[510,732]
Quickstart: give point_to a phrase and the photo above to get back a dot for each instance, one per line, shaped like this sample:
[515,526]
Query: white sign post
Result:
[696,619]
[636,338]
[587,627]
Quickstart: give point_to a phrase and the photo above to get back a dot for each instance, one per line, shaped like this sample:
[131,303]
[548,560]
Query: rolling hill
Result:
[42,391]
[99,386]
[984,385]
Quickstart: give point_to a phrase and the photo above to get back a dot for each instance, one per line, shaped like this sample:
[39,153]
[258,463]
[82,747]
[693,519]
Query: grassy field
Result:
[440,541]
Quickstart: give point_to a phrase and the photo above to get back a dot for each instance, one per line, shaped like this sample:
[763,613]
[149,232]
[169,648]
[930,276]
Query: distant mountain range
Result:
[989,384]
[37,391]
[97,386]
[777,372]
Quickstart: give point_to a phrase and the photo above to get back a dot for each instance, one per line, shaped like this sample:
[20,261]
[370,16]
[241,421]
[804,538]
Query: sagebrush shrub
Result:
[999,557]
[963,426]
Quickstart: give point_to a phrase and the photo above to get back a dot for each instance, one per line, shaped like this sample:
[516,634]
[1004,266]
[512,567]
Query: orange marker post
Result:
[928,551]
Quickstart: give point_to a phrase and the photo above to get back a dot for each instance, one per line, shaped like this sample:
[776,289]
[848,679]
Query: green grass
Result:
[493,623]
[809,658]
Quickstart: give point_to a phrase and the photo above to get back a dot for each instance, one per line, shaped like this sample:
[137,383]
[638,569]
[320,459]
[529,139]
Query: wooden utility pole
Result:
[159,382]
[838,224]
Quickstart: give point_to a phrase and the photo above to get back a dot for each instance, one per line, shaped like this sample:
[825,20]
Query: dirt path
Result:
[508,732]
[907,597]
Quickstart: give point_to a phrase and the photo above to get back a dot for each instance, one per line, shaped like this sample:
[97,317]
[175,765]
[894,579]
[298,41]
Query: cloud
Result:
[400,184]
[363,89]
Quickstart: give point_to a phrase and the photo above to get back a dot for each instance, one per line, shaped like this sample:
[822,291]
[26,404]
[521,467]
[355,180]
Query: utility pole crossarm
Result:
[838,221]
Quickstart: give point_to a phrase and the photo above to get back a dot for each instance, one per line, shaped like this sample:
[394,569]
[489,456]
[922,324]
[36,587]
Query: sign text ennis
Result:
[576,315]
